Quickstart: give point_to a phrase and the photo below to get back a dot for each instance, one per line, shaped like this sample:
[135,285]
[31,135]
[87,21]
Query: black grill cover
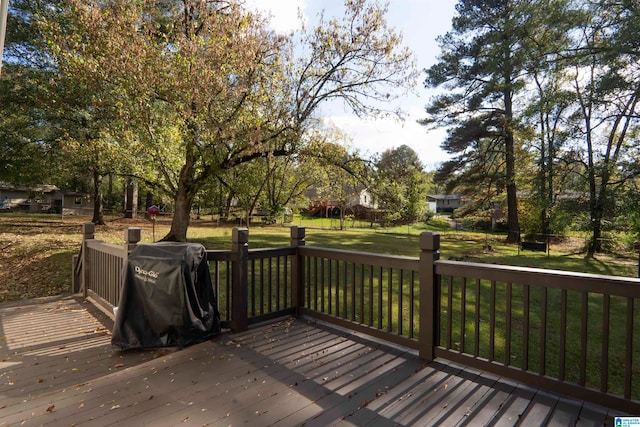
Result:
[167,298]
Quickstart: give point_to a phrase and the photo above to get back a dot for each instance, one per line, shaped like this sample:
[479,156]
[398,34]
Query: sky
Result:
[419,22]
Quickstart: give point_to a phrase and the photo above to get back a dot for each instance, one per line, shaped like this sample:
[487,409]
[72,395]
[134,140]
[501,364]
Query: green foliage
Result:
[437,223]
[476,223]
[542,94]
[401,186]
[190,90]
[481,69]
[30,125]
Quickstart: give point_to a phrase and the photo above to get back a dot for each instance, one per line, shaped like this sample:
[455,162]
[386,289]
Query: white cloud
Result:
[372,137]
[283,13]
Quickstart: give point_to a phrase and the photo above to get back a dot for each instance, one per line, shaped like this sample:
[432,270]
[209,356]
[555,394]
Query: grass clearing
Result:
[36,250]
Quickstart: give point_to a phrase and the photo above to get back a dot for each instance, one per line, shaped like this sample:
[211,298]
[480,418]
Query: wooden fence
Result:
[568,332]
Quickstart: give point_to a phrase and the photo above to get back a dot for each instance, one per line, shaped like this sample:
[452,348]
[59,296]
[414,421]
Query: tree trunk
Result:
[149,200]
[513,225]
[109,203]
[131,200]
[595,244]
[98,199]
[181,217]
[184,195]
[512,197]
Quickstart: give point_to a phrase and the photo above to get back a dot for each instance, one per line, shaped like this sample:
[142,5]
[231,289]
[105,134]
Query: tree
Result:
[54,126]
[400,184]
[607,88]
[340,178]
[208,78]
[549,101]
[481,68]
[30,130]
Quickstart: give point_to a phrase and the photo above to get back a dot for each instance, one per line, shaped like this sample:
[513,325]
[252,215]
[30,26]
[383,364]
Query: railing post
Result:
[297,268]
[88,230]
[239,279]
[131,237]
[429,294]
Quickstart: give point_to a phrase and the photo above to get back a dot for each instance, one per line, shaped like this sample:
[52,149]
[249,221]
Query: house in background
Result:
[445,203]
[356,201]
[44,198]
[71,203]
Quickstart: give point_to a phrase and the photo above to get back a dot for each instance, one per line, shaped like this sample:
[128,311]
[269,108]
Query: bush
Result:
[438,223]
[617,243]
[476,223]
[391,219]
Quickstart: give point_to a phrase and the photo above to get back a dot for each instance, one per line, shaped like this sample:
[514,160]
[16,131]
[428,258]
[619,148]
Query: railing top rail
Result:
[109,248]
[573,281]
[261,253]
[219,255]
[368,258]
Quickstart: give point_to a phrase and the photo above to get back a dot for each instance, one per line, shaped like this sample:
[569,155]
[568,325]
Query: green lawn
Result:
[37,249]
[403,240]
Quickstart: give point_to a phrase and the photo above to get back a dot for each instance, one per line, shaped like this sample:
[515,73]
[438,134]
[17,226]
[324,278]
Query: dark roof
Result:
[445,196]
[38,188]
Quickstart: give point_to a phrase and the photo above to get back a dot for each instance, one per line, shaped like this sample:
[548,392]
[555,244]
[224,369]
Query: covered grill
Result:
[167,298]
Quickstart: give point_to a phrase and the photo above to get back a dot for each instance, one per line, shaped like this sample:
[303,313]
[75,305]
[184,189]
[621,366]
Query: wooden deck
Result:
[57,368]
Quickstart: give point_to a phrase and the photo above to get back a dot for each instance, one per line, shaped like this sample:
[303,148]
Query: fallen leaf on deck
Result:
[115,407]
[50,407]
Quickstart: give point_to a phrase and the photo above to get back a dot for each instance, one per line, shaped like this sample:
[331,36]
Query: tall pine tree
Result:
[481,68]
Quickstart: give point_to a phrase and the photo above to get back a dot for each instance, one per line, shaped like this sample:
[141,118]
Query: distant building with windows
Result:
[44,198]
[445,203]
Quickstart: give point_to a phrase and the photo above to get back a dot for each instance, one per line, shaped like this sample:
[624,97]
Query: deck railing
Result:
[569,332]
[99,268]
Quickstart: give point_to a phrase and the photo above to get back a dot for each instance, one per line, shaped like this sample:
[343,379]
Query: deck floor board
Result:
[57,368]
